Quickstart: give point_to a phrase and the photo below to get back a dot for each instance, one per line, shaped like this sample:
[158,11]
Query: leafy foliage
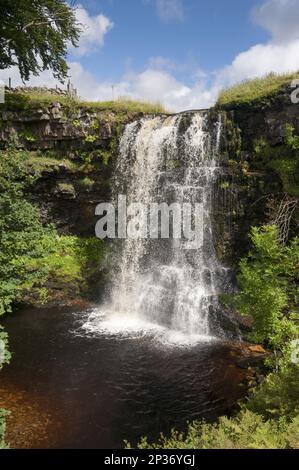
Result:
[278,395]
[283,159]
[248,430]
[20,230]
[35,35]
[3,414]
[31,253]
[291,140]
[268,283]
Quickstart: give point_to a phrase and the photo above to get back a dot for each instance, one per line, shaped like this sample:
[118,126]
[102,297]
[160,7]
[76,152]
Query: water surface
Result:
[71,391]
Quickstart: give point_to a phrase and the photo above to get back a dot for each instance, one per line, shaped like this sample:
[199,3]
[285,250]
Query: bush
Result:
[3,414]
[278,394]
[268,283]
[248,430]
[31,253]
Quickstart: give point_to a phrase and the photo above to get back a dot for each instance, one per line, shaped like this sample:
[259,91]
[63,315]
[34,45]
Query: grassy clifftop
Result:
[255,90]
[28,100]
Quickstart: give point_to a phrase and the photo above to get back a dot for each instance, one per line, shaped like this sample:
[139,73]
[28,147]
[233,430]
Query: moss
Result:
[288,171]
[77,262]
[76,123]
[65,188]
[233,138]
[256,89]
[283,159]
[27,136]
[291,140]
[225,185]
[38,163]
[106,155]
[72,263]
[90,139]
[86,183]
[95,125]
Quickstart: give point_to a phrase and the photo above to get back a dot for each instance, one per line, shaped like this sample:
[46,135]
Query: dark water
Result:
[98,391]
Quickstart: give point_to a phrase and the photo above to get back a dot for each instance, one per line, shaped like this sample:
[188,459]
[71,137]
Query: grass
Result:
[256,89]
[41,163]
[33,100]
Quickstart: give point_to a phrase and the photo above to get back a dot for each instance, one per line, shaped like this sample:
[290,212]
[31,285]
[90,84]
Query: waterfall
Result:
[160,286]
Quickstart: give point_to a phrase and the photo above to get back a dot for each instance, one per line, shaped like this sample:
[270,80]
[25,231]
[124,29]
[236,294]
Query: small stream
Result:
[70,390]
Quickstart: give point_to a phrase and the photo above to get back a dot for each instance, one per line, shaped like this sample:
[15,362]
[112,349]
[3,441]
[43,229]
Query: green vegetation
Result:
[255,90]
[268,282]
[31,253]
[283,159]
[90,139]
[38,162]
[277,396]
[3,414]
[246,431]
[35,36]
[28,137]
[86,183]
[33,100]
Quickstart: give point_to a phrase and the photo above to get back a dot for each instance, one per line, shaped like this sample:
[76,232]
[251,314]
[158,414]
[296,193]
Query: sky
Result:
[178,52]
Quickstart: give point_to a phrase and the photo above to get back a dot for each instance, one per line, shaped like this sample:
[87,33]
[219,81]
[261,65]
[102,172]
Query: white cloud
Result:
[157,82]
[280,18]
[169,10]
[94,30]
[260,60]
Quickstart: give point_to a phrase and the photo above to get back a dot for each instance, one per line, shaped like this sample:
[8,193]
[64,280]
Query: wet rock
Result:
[252,361]
[257,349]
[65,191]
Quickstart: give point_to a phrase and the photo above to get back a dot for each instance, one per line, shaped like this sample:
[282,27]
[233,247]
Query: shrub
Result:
[278,394]
[31,253]
[3,414]
[268,287]
[247,430]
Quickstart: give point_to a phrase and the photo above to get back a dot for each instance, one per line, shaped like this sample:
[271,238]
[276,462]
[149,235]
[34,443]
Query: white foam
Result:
[130,326]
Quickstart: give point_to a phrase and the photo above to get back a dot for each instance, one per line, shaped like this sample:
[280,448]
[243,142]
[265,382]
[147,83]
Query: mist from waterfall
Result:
[160,287]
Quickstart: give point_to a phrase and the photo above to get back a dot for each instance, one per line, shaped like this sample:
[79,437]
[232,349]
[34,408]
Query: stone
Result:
[252,361]
[45,117]
[257,349]
[65,190]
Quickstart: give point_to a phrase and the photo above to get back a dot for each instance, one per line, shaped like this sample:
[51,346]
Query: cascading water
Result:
[160,285]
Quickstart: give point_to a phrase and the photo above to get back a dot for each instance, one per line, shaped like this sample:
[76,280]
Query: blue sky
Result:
[202,35]
[178,52]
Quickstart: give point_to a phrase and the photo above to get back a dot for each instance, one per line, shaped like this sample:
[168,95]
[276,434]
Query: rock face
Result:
[252,148]
[266,118]
[53,128]
[68,196]
[73,152]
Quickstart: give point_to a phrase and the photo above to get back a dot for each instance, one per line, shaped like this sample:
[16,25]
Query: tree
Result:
[35,35]
[268,283]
